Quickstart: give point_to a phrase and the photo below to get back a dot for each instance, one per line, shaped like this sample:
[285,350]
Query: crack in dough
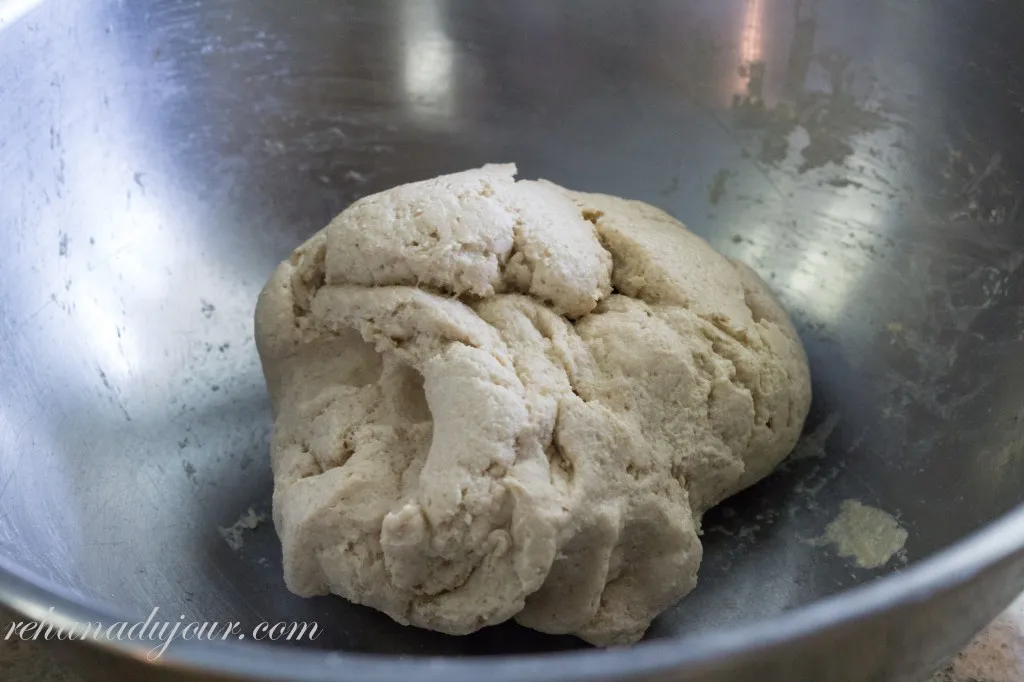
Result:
[501,399]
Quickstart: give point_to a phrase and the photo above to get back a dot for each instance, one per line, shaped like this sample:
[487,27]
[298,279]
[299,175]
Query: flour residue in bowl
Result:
[868,535]
[234,534]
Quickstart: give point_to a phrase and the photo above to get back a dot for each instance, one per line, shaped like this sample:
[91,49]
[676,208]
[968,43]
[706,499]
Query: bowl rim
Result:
[37,599]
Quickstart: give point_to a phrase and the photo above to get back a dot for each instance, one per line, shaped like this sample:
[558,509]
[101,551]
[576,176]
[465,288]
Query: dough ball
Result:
[498,399]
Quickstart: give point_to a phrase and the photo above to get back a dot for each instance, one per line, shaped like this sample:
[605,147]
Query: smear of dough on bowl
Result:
[868,535]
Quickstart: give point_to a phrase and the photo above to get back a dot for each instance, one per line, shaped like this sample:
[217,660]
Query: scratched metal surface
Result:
[158,158]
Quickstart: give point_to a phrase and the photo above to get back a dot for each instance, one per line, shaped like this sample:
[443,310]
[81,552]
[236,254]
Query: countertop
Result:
[996,655]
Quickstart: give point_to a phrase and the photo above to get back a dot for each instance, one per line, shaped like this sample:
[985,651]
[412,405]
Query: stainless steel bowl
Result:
[158,158]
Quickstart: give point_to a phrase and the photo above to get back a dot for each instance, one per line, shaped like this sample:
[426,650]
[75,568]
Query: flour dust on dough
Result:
[498,399]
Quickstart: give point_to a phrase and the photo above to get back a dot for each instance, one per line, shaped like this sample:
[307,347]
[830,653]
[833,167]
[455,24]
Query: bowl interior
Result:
[158,159]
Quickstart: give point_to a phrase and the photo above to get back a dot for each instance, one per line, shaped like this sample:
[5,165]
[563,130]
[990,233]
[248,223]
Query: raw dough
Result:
[868,535]
[499,399]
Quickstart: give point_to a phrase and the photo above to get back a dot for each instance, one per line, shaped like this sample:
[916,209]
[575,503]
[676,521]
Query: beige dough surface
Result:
[498,399]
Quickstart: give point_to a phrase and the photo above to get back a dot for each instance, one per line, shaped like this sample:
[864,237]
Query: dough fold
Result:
[498,399]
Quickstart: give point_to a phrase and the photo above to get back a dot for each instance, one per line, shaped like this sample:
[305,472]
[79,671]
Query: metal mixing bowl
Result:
[158,158]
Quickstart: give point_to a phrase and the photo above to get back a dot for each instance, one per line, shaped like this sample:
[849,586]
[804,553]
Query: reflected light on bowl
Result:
[427,62]
[752,40]
[12,10]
